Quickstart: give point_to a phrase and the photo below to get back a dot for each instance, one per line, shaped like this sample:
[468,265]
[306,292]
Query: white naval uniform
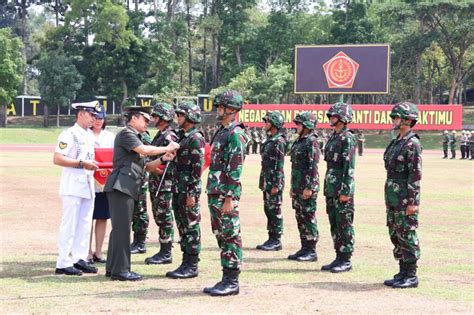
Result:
[77,193]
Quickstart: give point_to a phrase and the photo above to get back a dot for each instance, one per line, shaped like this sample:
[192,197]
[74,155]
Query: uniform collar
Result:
[186,133]
[80,129]
[132,129]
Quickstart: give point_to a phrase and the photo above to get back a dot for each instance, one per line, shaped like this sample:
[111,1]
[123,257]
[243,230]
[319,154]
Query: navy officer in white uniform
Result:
[75,153]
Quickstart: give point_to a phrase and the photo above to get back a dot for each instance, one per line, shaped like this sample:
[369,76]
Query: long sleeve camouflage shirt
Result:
[403,164]
[188,163]
[227,159]
[339,154]
[162,139]
[304,164]
[273,161]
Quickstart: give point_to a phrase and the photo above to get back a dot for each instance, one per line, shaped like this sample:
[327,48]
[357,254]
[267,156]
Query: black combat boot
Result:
[410,280]
[298,253]
[162,257]
[188,268]
[309,253]
[344,263]
[138,245]
[272,244]
[228,286]
[332,264]
[399,276]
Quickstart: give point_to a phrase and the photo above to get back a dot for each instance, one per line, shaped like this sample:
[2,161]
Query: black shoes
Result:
[85,267]
[99,260]
[162,257]
[187,269]
[397,277]
[69,271]
[137,247]
[126,276]
[309,254]
[331,265]
[272,244]
[228,286]
[409,280]
[342,266]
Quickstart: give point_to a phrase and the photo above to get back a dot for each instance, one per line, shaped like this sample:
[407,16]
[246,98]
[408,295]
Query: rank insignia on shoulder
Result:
[62,145]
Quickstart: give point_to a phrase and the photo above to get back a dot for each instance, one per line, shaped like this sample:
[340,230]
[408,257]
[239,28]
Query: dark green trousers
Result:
[121,212]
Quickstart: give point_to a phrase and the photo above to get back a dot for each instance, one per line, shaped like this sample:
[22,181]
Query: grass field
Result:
[31,210]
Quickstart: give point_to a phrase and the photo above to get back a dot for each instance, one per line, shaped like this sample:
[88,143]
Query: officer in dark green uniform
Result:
[305,185]
[272,179]
[123,189]
[403,161]
[140,220]
[445,144]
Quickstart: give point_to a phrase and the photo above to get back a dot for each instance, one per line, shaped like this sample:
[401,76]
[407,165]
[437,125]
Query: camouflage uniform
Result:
[187,169]
[272,176]
[305,175]
[339,154]
[161,202]
[471,144]
[360,143]
[227,158]
[140,220]
[452,144]
[445,144]
[403,161]
[255,140]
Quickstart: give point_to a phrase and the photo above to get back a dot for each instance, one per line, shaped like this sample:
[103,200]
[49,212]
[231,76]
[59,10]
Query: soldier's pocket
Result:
[410,222]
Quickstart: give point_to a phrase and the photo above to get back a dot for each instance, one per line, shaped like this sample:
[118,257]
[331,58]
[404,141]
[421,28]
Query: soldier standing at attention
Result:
[360,142]
[163,114]
[339,154]
[255,140]
[402,194]
[471,144]
[272,179]
[75,153]
[140,219]
[305,185]
[123,188]
[188,165]
[445,144]
[464,144]
[452,144]
[224,189]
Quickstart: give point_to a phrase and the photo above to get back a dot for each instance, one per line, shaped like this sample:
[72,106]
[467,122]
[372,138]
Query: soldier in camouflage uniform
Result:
[272,179]
[471,144]
[339,154]
[445,144]
[402,194]
[224,188]
[452,144]
[163,115]
[188,165]
[305,185]
[140,220]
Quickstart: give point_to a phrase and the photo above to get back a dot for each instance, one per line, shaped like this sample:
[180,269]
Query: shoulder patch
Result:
[62,145]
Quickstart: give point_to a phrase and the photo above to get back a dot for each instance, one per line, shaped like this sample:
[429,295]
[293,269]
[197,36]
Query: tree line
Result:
[76,49]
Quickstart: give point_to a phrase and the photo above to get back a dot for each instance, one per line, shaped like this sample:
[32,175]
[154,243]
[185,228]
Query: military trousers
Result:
[272,208]
[121,211]
[402,232]
[188,223]
[445,149]
[162,213]
[341,219]
[305,213]
[226,228]
[140,219]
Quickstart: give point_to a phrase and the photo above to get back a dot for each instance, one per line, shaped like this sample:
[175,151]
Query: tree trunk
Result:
[23,14]
[57,116]
[45,116]
[120,121]
[452,90]
[190,52]
[3,115]
[237,56]
[204,53]
[214,61]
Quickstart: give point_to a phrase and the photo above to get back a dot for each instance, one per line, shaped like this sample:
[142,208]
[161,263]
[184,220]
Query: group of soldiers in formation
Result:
[170,167]
[229,145]
[466,144]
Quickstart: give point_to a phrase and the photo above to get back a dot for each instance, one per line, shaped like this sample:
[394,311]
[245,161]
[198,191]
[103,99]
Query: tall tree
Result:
[12,65]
